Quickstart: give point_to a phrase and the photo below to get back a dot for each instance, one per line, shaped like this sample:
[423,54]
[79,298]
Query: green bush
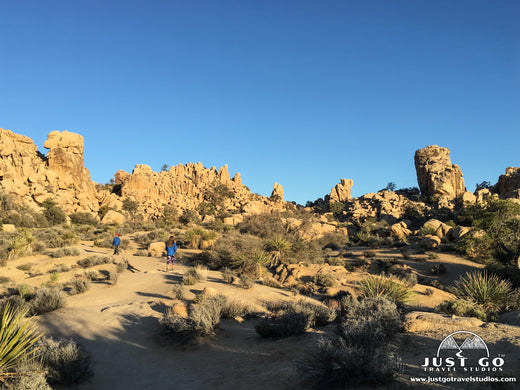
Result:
[83,219]
[464,308]
[324,280]
[500,222]
[381,286]
[53,213]
[485,289]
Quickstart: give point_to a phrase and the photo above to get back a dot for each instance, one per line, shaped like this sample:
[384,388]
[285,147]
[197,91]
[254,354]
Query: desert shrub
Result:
[66,362]
[432,256]
[333,241]
[113,276]
[245,282]
[235,308]
[92,261]
[358,354]
[21,245]
[60,268]
[293,318]
[228,276]
[485,289]
[269,281]
[435,283]
[179,292]
[381,286]
[83,219]
[264,225]
[324,280]
[369,322]
[429,292]
[142,252]
[53,213]
[463,308]
[54,276]
[369,254]
[25,267]
[5,279]
[199,238]
[333,364]
[17,335]
[308,288]
[500,223]
[406,254]
[189,279]
[251,264]
[47,299]
[90,275]
[202,320]
[16,302]
[439,269]
[27,375]
[189,216]
[79,285]
[409,279]
[507,272]
[62,252]
[25,291]
[278,249]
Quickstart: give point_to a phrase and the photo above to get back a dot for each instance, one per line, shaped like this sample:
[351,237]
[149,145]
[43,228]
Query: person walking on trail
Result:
[171,248]
[116,242]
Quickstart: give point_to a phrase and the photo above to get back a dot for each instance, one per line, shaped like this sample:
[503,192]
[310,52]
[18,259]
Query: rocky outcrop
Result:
[436,175]
[186,187]
[61,176]
[277,194]
[508,185]
[341,192]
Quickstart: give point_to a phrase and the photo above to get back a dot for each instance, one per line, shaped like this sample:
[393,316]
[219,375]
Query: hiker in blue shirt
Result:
[171,248]
[116,242]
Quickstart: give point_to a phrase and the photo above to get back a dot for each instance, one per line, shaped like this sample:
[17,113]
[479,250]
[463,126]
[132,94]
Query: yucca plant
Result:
[17,336]
[382,286]
[277,248]
[485,289]
[21,245]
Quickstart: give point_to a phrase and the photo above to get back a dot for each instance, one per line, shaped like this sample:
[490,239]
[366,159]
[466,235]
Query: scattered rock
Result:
[416,321]
[508,185]
[180,309]
[7,227]
[113,218]
[341,192]
[157,249]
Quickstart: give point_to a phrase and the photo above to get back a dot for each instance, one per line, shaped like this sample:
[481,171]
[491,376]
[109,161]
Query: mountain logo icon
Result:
[472,341]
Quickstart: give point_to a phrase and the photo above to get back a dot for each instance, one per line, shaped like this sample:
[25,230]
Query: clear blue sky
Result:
[299,92]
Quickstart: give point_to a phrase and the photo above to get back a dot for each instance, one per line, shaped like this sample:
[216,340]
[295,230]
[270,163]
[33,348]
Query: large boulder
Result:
[508,185]
[113,217]
[157,249]
[436,175]
[341,192]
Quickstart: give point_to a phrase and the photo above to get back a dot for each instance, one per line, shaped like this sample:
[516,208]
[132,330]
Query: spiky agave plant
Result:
[277,248]
[486,289]
[382,286]
[17,336]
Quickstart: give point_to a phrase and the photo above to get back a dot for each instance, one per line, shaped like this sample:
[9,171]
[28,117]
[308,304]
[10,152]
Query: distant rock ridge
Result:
[436,175]
[341,192]
[61,175]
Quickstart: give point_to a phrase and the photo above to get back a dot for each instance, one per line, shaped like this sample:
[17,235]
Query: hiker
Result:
[116,242]
[171,248]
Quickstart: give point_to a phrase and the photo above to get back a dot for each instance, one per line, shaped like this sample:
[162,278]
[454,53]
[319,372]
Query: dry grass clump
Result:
[179,292]
[92,261]
[201,322]
[66,362]
[294,318]
[195,275]
[235,308]
[79,285]
[62,252]
[47,299]
[227,275]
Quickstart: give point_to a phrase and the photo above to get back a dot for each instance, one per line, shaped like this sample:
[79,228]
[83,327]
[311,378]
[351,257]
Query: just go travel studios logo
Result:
[463,352]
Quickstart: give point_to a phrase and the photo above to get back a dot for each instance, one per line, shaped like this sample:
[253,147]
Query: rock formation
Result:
[277,193]
[508,185]
[33,178]
[341,192]
[436,175]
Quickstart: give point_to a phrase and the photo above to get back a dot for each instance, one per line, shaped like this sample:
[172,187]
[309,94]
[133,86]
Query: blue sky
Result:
[303,93]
